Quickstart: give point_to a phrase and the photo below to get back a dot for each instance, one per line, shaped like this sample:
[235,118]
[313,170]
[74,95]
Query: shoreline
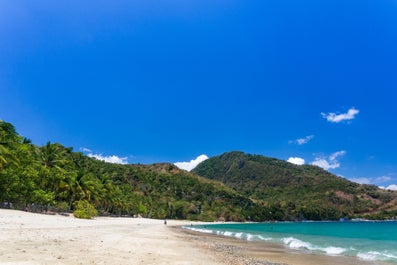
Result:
[255,252]
[30,238]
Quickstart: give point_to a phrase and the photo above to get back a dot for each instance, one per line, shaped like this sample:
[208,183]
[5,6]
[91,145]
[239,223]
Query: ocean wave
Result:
[253,237]
[289,241]
[376,255]
[227,233]
[299,244]
[296,243]
[334,250]
[363,249]
[239,235]
[264,238]
[201,230]
[371,255]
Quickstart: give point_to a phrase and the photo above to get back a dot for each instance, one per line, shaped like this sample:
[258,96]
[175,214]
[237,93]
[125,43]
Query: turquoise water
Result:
[375,241]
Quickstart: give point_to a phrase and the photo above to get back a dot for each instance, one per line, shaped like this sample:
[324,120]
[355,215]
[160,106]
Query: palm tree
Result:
[8,139]
[4,154]
[53,155]
[108,192]
[55,166]
[81,186]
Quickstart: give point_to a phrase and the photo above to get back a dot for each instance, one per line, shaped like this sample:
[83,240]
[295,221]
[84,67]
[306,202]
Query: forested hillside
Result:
[53,177]
[232,187]
[297,192]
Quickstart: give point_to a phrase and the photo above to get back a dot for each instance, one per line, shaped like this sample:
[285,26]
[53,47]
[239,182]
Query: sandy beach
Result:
[28,238]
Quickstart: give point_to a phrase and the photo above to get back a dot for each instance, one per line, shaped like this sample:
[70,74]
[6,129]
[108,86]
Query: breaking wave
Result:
[307,244]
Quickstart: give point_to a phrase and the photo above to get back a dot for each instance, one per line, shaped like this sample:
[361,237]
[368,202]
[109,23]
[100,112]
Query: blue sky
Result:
[153,81]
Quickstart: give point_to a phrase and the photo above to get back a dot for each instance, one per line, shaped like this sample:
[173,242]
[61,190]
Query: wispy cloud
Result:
[85,150]
[301,141]
[361,180]
[336,118]
[334,156]
[110,159]
[383,179]
[330,162]
[192,164]
[376,181]
[296,160]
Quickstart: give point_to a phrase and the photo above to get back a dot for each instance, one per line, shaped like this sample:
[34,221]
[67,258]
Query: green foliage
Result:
[8,140]
[61,207]
[42,197]
[292,192]
[84,210]
[230,187]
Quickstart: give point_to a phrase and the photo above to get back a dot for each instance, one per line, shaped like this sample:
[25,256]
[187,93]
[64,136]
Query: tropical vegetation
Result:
[296,192]
[231,187]
[54,178]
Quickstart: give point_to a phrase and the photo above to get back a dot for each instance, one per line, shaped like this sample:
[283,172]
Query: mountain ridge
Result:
[231,187]
[298,191]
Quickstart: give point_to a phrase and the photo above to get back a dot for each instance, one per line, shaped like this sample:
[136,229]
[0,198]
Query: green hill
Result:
[292,192]
[54,178]
[232,187]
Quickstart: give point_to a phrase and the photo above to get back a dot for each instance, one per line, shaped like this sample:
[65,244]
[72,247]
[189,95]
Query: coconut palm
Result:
[54,166]
[8,139]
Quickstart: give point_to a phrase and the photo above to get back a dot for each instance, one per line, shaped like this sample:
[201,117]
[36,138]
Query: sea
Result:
[365,240]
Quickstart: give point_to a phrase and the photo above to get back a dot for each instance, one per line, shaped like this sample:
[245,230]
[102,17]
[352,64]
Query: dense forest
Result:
[298,192]
[231,187]
[54,178]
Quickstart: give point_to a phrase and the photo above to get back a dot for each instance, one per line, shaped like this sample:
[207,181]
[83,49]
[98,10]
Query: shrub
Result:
[84,210]
[61,207]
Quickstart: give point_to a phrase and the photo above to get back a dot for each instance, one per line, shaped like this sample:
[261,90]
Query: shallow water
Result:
[372,241]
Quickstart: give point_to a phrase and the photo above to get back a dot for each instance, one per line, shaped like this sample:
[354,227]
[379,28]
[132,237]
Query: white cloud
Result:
[376,181]
[382,179]
[86,150]
[392,187]
[361,180]
[301,141]
[334,156]
[110,159]
[329,163]
[296,160]
[325,164]
[192,164]
[333,117]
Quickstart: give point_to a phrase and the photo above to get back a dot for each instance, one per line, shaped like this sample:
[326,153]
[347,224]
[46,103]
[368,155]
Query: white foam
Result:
[331,248]
[371,255]
[202,230]
[299,244]
[265,238]
[239,235]
[391,256]
[227,233]
[375,255]
[334,250]
[296,243]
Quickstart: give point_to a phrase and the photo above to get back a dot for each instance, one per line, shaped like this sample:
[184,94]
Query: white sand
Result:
[27,238]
